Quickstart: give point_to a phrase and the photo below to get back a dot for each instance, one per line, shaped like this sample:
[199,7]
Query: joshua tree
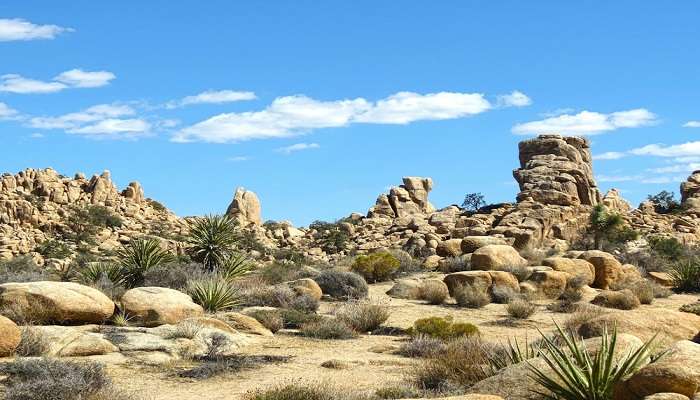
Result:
[604,224]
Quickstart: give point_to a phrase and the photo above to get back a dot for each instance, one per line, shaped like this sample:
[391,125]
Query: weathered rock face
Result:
[497,257]
[556,170]
[614,202]
[10,337]
[245,207]
[690,193]
[409,199]
[153,306]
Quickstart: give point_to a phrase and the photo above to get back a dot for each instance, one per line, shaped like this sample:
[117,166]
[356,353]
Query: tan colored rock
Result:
[409,289]
[134,192]
[306,286]
[621,299]
[409,199]
[572,266]
[670,326]
[153,306]
[245,207]
[64,302]
[244,323]
[504,279]
[10,336]
[607,269]
[450,248]
[471,244]
[548,284]
[480,279]
[211,323]
[662,278]
[74,341]
[431,262]
[666,396]
[677,372]
[496,257]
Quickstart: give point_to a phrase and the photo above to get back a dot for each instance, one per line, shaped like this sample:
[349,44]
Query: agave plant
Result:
[138,257]
[512,353]
[93,272]
[234,266]
[212,239]
[214,294]
[576,374]
[686,275]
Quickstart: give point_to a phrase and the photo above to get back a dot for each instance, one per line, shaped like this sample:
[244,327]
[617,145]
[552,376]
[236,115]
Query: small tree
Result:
[664,202]
[473,201]
[604,225]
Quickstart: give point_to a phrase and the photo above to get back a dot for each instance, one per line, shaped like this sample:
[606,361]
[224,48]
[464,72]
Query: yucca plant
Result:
[512,353]
[214,294]
[212,239]
[234,266]
[685,275]
[138,257]
[93,272]
[576,374]
[121,319]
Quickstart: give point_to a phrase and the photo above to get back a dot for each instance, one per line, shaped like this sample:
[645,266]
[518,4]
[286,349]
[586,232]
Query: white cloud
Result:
[114,127]
[618,178]
[692,124]
[78,119]
[19,29]
[689,167]
[587,123]
[298,147]
[6,112]
[85,79]
[213,97]
[557,112]
[295,115]
[75,78]
[103,121]
[688,149]
[238,158]
[36,135]
[514,99]
[610,155]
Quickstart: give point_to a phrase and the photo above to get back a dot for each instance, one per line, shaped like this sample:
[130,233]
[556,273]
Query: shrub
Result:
[640,287]
[280,296]
[407,263]
[521,309]
[33,343]
[53,249]
[471,296]
[22,269]
[301,391]
[502,294]
[102,216]
[376,267]
[660,291]
[279,272]
[398,392]
[693,308]
[464,362]
[473,201]
[121,319]
[563,306]
[304,303]
[580,375]
[668,247]
[173,275]
[434,292]
[295,319]
[140,256]
[211,239]
[621,300]
[234,266]
[55,379]
[157,205]
[330,237]
[571,295]
[214,294]
[521,273]
[187,329]
[421,346]
[442,328]
[581,317]
[686,275]
[363,315]
[342,284]
[327,328]
[270,319]
[455,264]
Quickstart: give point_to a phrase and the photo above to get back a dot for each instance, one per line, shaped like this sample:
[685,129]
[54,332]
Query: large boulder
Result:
[607,269]
[406,200]
[63,302]
[306,286]
[73,341]
[479,279]
[670,326]
[450,248]
[244,323]
[245,207]
[471,244]
[409,289]
[572,266]
[10,336]
[153,306]
[497,257]
[545,284]
[677,372]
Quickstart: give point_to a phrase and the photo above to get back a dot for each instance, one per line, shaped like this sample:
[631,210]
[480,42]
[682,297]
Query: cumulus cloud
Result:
[75,78]
[7,112]
[298,147]
[113,127]
[19,29]
[692,124]
[587,123]
[238,158]
[295,115]
[514,99]
[610,155]
[618,178]
[103,120]
[213,97]
[688,149]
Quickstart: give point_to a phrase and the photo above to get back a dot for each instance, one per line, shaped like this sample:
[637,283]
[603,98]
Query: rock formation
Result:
[556,170]
[690,193]
[411,198]
[245,208]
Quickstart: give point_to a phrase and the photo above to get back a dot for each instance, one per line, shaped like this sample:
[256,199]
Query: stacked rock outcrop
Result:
[411,198]
[245,208]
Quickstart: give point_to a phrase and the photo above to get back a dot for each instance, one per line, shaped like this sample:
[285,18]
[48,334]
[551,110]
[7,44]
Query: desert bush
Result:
[173,275]
[398,392]
[471,296]
[55,379]
[455,264]
[93,272]
[363,315]
[660,291]
[442,328]
[219,364]
[421,346]
[521,309]
[53,249]
[693,308]
[33,343]
[407,263]
[304,303]
[686,274]
[330,236]
[502,294]
[102,216]
[563,306]
[121,319]
[270,319]
[214,294]
[278,272]
[212,239]
[434,292]
[36,312]
[327,328]
[621,300]
[376,267]
[280,296]
[187,329]
[464,362]
[580,375]
[304,391]
[295,319]
[571,295]
[342,284]
[641,288]
[22,269]
[582,316]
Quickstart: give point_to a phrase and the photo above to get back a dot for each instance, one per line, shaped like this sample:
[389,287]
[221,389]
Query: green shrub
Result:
[363,315]
[102,216]
[693,308]
[521,309]
[376,267]
[157,205]
[212,239]
[668,247]
[53,249]
[214,294]
[442,328]
[342,284]
[327,328]
[471,296]
[686,275]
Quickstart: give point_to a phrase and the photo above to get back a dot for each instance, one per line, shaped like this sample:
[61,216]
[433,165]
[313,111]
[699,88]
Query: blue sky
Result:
[320,106]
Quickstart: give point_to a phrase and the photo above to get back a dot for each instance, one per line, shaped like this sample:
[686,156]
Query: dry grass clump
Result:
[583,317]
[693,308]
[32,343]
[471,296]
[328,328]
[363,315]
[266,296]
[502,294]
[434,292]
[660,291]
[35,312]
[521,308]
[642,288]
[398,392]
[421,346]
[270,319]
[342,285]
[305,391]
[55,379]
[187,329]
[621,300]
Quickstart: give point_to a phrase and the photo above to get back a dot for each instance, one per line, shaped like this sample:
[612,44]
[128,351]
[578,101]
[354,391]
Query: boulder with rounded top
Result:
[497,257]
[153,306]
